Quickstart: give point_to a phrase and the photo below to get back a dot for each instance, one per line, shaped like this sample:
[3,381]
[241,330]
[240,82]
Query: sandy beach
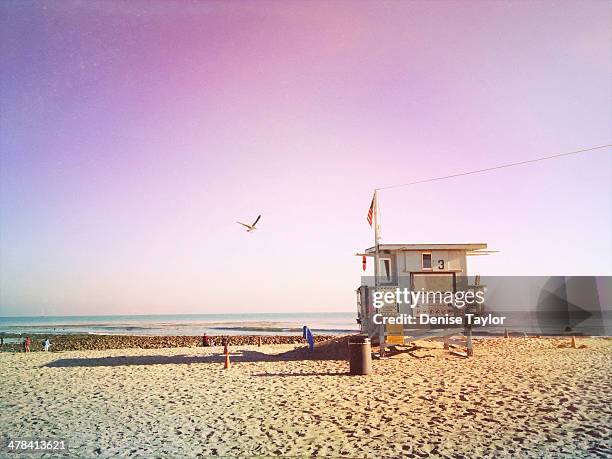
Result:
[524,397]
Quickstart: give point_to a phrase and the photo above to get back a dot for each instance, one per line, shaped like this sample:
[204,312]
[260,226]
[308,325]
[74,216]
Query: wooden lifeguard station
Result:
[414,267]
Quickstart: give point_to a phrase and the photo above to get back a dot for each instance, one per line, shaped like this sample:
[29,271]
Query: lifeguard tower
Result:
[415,267]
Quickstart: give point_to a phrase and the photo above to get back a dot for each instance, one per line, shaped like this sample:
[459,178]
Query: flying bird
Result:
[250,227]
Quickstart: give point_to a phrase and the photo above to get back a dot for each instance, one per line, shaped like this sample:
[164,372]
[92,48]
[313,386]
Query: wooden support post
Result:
[470,346]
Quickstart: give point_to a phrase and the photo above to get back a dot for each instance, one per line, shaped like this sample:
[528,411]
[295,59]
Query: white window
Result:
[426,261]
[385,269]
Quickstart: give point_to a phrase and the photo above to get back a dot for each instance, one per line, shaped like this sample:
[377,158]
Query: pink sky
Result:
[134,134]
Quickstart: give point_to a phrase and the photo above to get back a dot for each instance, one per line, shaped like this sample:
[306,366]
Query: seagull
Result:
[250,227]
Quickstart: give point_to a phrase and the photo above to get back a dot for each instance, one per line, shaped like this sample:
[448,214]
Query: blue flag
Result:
[307,334]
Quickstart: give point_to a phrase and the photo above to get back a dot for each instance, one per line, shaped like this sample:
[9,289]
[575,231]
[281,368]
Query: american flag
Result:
[371,211]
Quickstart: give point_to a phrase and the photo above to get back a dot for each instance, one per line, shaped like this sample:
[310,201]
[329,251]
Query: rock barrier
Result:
[100,342]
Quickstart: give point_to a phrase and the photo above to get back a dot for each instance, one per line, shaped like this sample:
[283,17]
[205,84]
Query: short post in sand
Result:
[226,352]
[259,341]
[506,333]
[446,343]
[470,346]
[573,342]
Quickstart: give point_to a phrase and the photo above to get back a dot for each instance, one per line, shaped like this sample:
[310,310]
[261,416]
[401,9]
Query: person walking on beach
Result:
[27,343]
[46,344]
[1,341]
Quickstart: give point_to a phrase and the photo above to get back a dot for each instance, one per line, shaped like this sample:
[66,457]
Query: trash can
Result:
[360,355]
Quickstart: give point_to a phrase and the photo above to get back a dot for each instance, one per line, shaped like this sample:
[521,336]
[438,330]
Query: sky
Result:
[133,136]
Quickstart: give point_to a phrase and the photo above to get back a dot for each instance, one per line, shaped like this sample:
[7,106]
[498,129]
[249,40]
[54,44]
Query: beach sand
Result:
[516,397]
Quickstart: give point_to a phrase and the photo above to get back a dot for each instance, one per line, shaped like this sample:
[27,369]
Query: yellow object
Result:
[395,334]
[395,339]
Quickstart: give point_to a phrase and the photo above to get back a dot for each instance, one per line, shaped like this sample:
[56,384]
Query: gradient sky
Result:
[134,134]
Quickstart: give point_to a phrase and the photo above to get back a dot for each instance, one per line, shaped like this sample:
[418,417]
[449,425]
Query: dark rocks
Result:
[99,342]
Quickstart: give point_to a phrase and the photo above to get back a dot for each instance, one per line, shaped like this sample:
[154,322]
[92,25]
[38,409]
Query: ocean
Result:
[330,323]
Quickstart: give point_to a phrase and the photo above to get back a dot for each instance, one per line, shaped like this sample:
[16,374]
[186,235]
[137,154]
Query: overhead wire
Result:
[501,166]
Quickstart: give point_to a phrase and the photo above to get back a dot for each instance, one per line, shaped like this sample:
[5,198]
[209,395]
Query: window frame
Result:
[387,279]
[423,268]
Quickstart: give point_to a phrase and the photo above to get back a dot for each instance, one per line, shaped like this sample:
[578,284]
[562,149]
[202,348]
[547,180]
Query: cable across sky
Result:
[502,166]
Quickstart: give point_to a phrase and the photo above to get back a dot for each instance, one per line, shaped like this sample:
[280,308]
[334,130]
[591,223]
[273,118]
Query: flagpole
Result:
[376,239]
[381,329]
